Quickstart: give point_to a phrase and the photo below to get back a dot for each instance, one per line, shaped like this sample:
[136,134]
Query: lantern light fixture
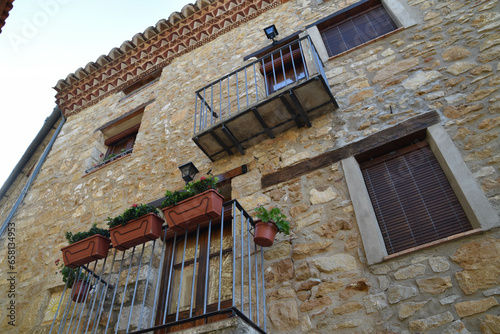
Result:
[271,33]
[188,172]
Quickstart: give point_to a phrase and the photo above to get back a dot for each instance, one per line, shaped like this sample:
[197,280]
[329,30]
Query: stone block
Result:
[449,299]
[279,250]
[439,264]
[420,79]
[456,327]
[490,324]
[408,309]
[284,315]
[375,302]
[480,94]
[423,325]
[398,293]
[330,229]
[307,285]
[302,251]
[455,53]
[434,285]
[481,263]
[320,196]
[281,293]
[468,308]
[279,272]
[392,69]
[302,271]
[460,67]
[328,287]
[314,304]
[335,263]
[346,308]
[410,272]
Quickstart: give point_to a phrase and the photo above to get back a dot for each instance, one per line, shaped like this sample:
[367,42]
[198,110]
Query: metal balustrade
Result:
[256,81]
[287,87]
[210,273]
[108,160]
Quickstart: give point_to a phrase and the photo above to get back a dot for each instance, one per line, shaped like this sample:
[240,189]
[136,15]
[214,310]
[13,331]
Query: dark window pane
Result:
[334,42]
[358,29]
[364,28]
[381,21]
[350,35]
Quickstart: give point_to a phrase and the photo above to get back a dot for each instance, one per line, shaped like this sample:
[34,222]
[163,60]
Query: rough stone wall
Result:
[317,280]
[10,197]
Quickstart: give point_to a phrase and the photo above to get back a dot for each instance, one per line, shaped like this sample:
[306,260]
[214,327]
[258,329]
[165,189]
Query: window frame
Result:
[354,14]
[403,15]
[130,135]
[412,197]
[472,199]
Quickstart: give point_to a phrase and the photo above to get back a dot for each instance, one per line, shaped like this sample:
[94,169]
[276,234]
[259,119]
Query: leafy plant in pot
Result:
[71,277]
[85,247]
[138,224]
[199,202]
[268,225]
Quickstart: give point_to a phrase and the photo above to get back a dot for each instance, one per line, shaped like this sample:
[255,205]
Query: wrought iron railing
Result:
[108,160]
[255,82]
[212,272]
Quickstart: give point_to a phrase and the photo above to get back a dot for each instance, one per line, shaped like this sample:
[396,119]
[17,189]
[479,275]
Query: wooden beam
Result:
[243,169]
[398,131]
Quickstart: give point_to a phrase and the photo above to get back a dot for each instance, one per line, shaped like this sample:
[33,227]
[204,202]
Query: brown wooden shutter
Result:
[413,201]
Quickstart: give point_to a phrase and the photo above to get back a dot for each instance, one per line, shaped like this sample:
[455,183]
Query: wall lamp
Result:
[188,171]
[271,33]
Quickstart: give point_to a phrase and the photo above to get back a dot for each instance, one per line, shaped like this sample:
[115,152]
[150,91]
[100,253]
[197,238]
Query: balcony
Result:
[179,281]
[272,94]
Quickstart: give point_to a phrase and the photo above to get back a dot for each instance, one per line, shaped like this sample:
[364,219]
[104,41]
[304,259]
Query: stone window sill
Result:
[434,243]
[107,164]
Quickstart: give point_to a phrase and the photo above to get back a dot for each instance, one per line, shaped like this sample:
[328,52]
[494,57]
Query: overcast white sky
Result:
[45,40]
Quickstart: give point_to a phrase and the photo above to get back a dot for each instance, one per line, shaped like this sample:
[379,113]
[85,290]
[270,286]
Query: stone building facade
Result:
[435,78]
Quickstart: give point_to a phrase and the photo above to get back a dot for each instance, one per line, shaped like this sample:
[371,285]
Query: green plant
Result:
[69,274]
[72,238]
[275,216]
[191,189]
[132,213]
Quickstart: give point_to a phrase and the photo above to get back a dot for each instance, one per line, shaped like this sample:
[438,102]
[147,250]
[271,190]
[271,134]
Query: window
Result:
[413,201]
[355,27]
[283,67]
[117,138]
[121,143]
[180,289]
[407,195]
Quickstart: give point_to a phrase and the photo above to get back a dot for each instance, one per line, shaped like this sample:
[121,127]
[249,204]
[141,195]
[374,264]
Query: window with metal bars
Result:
[193,289]
[412,198]
[355,26]
[284,67]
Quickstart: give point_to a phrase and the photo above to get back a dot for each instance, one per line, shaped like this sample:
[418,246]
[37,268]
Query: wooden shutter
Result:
[357,29]
[413,201]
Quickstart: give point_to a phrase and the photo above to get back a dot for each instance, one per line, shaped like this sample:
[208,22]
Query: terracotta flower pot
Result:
[80,291]
[136,232]
[84,251]
[194,210]
[265,233]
